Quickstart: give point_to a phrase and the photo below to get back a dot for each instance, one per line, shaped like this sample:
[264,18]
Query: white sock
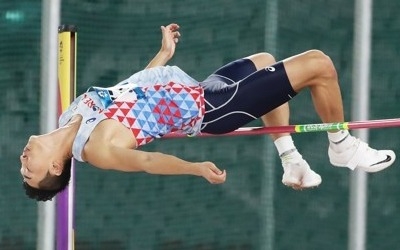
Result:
[286,148]
[339,141]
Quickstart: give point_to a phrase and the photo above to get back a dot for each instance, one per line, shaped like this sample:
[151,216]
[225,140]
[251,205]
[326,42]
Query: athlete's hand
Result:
[170,37]
[212,174]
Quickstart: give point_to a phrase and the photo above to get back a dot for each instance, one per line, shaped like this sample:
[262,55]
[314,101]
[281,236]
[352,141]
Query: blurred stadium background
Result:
[253,210]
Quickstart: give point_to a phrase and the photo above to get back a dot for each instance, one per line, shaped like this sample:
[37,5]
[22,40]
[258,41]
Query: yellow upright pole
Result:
[67,37]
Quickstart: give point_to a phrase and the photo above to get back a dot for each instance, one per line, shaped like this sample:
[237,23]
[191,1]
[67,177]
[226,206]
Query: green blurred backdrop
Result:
[253,210]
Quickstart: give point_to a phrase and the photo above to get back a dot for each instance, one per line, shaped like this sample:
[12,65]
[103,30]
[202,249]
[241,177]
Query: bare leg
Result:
[297,172]
[315,70]
[280,115]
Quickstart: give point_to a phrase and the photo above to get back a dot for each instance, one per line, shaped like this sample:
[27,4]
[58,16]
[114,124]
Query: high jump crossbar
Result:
[303,128]
[67,37]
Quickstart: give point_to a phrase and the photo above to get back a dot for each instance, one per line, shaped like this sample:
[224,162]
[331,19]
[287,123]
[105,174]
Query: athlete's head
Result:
[44,172]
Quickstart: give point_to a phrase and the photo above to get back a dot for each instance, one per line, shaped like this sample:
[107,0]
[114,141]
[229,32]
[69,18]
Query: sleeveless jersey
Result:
[150,111]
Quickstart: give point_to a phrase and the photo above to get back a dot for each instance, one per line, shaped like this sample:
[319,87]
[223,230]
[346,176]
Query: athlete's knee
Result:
[320,64]
[266,57]
[262,60]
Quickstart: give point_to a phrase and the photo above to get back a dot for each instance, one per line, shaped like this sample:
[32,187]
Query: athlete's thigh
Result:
[307,69]
[247,100]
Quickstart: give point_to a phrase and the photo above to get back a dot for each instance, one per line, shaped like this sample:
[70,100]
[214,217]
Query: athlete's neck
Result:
[63,138]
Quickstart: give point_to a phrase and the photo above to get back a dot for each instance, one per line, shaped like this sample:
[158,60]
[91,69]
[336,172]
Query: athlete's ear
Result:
[56,169]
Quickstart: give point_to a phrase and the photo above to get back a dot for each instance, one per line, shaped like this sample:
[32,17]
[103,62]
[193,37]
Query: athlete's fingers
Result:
[214,168]
[218,178]
[173,26]
[177,34]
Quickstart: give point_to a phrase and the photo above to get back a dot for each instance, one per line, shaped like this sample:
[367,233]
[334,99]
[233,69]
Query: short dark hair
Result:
[50,185]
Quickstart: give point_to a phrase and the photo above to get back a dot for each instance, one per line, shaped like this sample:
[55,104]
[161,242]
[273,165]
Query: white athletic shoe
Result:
[298,174]
[360,155]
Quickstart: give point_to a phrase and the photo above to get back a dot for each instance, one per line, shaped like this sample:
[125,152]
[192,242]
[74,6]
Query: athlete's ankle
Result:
[292,155]
[340,141]
[284,144]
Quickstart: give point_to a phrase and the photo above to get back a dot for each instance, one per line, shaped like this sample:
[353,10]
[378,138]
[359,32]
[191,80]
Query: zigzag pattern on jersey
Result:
[163,109]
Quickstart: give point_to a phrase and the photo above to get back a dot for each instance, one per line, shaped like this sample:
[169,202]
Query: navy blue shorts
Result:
[237,94]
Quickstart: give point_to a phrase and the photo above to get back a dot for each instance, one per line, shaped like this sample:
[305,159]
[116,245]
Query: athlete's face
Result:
[35,161]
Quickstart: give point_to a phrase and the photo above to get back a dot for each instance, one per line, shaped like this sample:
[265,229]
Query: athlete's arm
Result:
[170,37]
[128,160]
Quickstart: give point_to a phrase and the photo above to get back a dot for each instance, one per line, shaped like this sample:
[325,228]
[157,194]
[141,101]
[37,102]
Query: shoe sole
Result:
[300,186]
